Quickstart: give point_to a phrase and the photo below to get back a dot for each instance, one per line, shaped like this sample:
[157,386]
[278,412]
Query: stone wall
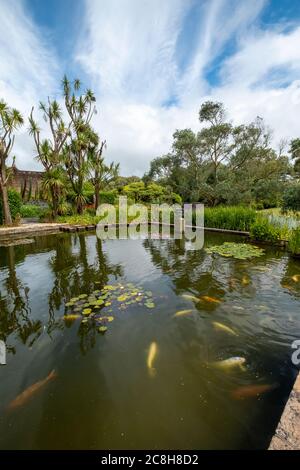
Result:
[27,183]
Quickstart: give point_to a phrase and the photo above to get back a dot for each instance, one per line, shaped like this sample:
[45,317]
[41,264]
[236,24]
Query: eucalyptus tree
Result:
[50,151]
[81,109]
[295,153]
[10,121]
[101,174]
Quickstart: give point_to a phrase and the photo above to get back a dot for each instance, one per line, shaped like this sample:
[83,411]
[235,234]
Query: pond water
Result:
[107,392]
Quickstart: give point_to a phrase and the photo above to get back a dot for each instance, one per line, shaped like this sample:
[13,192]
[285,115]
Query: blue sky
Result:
[151,64]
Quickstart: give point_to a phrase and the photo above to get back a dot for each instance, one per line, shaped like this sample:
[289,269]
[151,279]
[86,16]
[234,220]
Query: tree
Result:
[101,174]
[50,151]
[83,139]
[295,153]
[10,121]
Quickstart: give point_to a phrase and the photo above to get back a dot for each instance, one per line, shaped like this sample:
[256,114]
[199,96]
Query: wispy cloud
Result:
[129,51]
[28,69]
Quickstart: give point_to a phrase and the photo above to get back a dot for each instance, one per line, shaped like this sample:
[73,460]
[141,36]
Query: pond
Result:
[153,379]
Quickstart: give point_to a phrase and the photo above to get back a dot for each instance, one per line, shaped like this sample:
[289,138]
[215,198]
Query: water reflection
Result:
[103,382]
[15,308]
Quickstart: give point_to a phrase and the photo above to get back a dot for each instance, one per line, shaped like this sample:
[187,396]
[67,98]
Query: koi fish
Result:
[231,363]
[192,298]
[296,278]
[213,300]
[249,391]
[181,313]
[25,396]
[152,353]
[227,329]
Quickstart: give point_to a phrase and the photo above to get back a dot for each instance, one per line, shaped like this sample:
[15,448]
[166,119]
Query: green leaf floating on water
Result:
[236,250]
[150,305]
[102,329]
[87,311]
[109,299]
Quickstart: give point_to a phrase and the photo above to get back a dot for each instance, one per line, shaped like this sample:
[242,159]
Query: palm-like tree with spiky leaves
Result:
[10,121]
[50,151]
[101,174]
[80,108]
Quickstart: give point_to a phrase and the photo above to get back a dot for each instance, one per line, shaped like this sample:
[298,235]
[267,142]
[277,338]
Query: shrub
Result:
[31,211]
[229,218]
[294,242]
[263,230]
[108,197]
[291,199]
[15,203]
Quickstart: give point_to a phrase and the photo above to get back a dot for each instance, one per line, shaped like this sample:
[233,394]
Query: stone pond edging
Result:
[287,434]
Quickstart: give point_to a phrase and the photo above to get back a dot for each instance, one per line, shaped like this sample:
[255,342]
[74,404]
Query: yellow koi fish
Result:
[249,391]
[192,298]
[213,300]
[221,327]
[152,353]
[25,396]
[231,363]
[296,278]
[181,313]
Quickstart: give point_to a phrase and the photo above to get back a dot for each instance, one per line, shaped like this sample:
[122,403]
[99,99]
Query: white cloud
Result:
[28,69]
[129,51]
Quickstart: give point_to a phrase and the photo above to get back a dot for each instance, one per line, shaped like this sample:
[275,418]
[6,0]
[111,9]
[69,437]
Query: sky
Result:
[151,64]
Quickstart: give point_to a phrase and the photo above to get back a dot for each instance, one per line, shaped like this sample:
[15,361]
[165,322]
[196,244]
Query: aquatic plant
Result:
[264,230]
[229,218]
[294,242]
[112,297]
[236,250]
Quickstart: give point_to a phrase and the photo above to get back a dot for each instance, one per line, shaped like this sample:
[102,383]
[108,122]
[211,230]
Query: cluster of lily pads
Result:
[99,305]
[236,250]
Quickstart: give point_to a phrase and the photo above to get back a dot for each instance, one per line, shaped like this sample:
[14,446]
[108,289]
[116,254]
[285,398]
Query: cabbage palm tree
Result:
[10,121]
[101,174]
[81,109]
[50,151]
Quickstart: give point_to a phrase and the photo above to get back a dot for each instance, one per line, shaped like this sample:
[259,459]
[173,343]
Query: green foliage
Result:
[295,153]
[222,163]
[15,203]
[229,218]
[32,211]
[236,250]
[263,230]
[294,242]
[291,199]
[108,197]
[151,193]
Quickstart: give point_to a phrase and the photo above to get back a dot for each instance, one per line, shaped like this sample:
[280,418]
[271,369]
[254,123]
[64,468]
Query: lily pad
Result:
[87,311]
[150,305]
[102,329]
[236,250]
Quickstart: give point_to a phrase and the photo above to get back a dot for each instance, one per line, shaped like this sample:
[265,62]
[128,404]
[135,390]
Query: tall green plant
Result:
[10,121]
[50,151]
[80,108]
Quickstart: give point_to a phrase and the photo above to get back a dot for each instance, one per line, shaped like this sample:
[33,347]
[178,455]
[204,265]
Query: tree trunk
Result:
[5,206]
[97,195]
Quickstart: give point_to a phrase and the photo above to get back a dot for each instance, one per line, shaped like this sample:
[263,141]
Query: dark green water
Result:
[104,396]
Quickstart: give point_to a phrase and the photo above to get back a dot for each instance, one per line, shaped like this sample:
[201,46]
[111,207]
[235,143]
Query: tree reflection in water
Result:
[74,274]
